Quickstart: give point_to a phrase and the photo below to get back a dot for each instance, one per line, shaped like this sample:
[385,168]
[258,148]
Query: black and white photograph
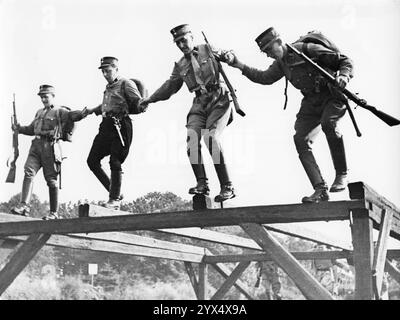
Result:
[173,151]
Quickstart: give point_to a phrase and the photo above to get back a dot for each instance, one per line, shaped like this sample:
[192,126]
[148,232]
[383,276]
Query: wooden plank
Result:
[307,284]
[393,271]
[230,281]
[20,259]
[338,210]
[203,285]
[379,261]
[376,203]
[312,255]
[361,229]
[192,278]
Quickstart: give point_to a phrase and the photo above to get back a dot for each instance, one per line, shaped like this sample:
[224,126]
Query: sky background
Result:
[61,43]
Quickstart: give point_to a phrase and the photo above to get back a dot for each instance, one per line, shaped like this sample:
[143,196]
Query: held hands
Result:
[231,59]
[85,112]
[15,127]
[342,81]
[143,105]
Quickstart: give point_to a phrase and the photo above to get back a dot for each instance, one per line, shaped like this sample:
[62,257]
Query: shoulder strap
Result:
[59,131]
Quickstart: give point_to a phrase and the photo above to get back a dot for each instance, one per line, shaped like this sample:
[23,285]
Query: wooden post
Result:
[230,281]
[193,278]
[202,202]
[203,286]
[361,229]
[307,284]
[21,258]
[381,251]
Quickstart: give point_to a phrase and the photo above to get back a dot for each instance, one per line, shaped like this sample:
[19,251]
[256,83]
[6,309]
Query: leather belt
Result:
[209,88]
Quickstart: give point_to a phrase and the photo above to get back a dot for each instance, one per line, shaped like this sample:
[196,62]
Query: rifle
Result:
[388,119]
[11,162]
[228,84]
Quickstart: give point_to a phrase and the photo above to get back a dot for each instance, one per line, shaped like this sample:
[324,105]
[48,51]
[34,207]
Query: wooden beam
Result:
[338,210]
[393,271]
[312,255]
[361,229]
[225,272]
[290,229]
[307,284]
[376,203]
[192,278]
[230,281]
[203,285]
[380,252]
[20,259]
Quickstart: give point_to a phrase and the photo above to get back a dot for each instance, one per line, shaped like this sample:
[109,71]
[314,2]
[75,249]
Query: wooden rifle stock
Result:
[11,162]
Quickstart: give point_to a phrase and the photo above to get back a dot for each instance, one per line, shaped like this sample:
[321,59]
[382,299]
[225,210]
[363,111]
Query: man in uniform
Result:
[114,138]
[326,272]
[210,112]
[268,275]
[322,105]
[45,150]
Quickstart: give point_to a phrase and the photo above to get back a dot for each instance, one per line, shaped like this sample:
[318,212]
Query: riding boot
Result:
[312,170]
[227,190]
[336,146]
[23,208]
[53,199]
[201,178]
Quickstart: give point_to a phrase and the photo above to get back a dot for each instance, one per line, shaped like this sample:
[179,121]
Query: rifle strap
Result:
[285,93]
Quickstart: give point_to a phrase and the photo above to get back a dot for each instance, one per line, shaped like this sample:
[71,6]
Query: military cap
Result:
[179,31]
[45,88]
[108,61]
[266,38]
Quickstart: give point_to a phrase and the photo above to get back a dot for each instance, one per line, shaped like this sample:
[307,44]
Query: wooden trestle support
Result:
[100,229]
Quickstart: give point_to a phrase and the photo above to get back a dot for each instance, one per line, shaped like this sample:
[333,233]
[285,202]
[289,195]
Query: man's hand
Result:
[85,112]
[342,81]
[232,60]
[143,105]
[15,127]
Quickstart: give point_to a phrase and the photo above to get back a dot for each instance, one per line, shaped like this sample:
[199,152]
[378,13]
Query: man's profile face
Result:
[110,73]
[47,99]
[275,50]
[185,44]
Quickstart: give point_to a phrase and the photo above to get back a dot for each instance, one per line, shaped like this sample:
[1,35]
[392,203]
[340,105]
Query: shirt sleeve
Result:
[269,76]
[331,59]
[132,94]
[29,129]
[169,87]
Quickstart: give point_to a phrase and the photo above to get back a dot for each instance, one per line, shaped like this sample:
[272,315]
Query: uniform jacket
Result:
[119,97]
[301,75]
[46,120]
[183,73]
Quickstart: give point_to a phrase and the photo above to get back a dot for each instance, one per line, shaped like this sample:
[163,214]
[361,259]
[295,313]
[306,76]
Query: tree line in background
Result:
[62,273]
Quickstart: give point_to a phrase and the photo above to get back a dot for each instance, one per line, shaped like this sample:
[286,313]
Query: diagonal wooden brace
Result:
[381,251]
[193,278]
[21,258]
[307,284]
[230,281]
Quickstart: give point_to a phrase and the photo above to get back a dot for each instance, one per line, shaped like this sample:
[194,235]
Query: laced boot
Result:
[22,209]
[227,192]
[320,194]
[200,188]
[53,215]
[339,184]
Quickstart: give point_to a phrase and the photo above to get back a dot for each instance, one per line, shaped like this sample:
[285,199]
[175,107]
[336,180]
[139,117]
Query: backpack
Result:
[65,128]
[316,37]
[143,92]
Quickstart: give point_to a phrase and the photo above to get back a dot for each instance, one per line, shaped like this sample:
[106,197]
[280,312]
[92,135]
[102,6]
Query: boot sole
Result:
[337,189]
[203,193]
[222,200]
[309,201]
